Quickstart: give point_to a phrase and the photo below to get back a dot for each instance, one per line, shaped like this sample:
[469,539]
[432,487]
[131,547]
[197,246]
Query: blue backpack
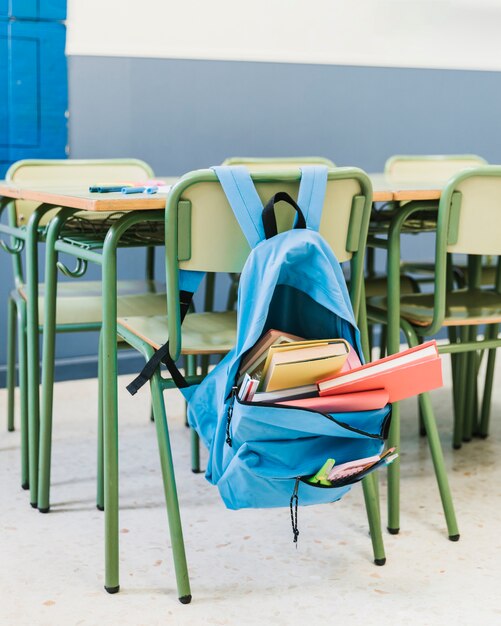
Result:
[261,454]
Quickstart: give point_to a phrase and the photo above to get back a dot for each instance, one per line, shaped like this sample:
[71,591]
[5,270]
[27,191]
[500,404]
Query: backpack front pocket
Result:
[275,445]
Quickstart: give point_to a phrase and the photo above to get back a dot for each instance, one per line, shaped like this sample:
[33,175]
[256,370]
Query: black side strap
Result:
[162,355]
[269,218]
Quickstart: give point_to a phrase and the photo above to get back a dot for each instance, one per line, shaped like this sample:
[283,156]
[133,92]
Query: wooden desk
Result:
[80,198]
[388,188]
[384,190]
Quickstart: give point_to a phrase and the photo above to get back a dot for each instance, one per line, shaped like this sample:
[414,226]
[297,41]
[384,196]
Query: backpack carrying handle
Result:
[269,218]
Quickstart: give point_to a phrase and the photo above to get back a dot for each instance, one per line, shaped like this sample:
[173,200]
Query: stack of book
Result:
[326,374]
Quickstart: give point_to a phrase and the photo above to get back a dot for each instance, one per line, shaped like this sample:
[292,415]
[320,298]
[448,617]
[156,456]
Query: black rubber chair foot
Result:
[44,510]
[112,589]
[196,471]
[467,440]
[99,507]
[185,599]
[454,537]
[33,505]
[393,531]
[11,430]
[25,486]
[457,446]
[380,561]
[481,436]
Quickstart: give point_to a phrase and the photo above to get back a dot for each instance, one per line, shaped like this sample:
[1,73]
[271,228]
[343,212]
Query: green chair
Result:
[467,223]
[203,234]
[277,163]
[429,166]
[432,167]
[79,303]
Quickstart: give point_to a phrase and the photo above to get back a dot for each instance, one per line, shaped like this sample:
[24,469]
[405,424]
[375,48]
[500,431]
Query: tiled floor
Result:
[244,567]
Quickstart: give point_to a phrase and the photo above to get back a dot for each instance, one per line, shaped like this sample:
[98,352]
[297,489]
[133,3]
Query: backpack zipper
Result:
[229,414]
[293,508]
[342,424]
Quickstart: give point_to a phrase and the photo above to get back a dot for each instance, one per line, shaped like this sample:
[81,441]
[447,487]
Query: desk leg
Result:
[393,346]
[32,339]
[48,357]
[110,417]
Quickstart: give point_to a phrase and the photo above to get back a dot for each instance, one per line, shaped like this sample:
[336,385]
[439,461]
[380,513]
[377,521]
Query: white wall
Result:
[462,34]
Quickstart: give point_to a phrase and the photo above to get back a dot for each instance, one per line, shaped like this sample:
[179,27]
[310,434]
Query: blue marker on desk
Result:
[104,189]
[133,189]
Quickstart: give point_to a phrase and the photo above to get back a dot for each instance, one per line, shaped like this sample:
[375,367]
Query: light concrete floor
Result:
[244,566]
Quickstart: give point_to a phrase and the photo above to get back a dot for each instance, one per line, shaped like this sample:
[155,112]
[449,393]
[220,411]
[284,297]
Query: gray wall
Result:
[180,115]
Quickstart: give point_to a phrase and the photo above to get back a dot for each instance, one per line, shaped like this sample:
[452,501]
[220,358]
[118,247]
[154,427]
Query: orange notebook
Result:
[403,375]
[342,403]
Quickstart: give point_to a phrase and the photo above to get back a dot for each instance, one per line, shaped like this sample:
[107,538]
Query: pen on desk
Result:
[133,189]
[105,189]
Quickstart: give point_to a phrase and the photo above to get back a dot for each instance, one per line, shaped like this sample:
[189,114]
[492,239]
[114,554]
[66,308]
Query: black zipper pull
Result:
[229,414]
[293,506]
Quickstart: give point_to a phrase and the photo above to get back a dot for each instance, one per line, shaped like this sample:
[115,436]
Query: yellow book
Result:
[302,363]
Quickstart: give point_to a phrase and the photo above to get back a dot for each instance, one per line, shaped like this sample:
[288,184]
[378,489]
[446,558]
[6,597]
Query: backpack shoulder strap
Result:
[243,198]
[312,193]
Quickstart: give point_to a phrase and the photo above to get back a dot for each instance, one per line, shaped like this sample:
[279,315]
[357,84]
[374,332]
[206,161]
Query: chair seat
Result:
[463,307]
[487,278]
[203,333]
[79,302]
[378,285]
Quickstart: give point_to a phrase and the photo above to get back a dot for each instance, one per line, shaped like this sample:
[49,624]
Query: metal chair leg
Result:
[439,465]
[169,481]
[483,429]
[373,515]
[23,392]
[100,426]
[194,438]
[11,362]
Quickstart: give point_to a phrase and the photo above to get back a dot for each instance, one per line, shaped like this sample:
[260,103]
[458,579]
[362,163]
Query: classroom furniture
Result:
[467,211]
[79,305]
[202,234]
[274,163]
[74,200]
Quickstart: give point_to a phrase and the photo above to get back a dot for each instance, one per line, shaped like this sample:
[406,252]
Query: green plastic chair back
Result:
[274,163]
[442,166]
[469,222]
[202,233]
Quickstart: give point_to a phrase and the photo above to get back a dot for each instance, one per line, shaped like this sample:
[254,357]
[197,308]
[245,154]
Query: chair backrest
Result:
[277,163]
[202,233]
[474,206]
[441,166]
[468,222]
[72,172]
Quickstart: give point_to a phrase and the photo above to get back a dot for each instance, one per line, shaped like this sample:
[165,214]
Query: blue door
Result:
[33,82]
